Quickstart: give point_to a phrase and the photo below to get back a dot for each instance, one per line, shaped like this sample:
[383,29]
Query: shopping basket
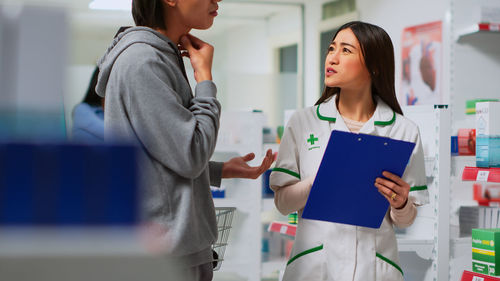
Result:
[224,221]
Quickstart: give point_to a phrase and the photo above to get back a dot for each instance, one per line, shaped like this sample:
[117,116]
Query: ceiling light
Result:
[120,5]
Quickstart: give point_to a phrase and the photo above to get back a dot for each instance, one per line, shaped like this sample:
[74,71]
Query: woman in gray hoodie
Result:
[149,103]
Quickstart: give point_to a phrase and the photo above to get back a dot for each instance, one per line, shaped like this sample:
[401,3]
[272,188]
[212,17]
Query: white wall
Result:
[394,16]
[242,67]
[245,62]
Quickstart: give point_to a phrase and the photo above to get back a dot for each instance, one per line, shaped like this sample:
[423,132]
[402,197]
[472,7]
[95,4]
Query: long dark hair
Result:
[91,97]
[378,54]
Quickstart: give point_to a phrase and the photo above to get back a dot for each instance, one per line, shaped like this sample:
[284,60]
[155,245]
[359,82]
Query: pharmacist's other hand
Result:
[237,167]
[200,54]
[394,189]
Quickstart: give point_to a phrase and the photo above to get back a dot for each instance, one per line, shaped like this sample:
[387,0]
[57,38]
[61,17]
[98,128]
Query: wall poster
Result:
[422,64]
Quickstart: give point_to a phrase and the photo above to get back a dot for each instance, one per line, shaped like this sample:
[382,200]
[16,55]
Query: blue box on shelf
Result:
[454,145]
[218,192]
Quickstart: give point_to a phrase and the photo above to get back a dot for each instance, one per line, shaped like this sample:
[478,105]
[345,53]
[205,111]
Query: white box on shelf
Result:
[487,11]
[488,134]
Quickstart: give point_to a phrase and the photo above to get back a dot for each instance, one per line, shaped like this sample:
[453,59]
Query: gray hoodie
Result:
[149,102]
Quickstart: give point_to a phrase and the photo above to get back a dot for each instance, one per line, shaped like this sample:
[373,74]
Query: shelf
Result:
[227,202]
[430,162]
[461,245]
[283,228]
[267,204]
[481,174]
[473,276]
[462,240]
[73,241]
[491,28]
[271,268]
[422,247]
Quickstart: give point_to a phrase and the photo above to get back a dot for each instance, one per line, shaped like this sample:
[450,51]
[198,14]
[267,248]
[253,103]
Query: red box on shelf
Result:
[473,276]
[481,174]
[466,141]
[487,194]
[283,228]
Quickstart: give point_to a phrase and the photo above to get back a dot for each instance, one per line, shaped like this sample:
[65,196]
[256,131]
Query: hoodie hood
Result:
[124,40]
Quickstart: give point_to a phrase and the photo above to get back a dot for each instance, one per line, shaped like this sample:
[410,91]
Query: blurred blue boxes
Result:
[68,184]
[218,192]
[454,145]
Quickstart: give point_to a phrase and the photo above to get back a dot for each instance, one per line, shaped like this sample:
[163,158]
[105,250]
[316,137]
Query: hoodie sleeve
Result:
[181,139]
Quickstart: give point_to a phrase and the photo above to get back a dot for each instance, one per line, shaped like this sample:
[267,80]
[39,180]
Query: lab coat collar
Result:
[383,116]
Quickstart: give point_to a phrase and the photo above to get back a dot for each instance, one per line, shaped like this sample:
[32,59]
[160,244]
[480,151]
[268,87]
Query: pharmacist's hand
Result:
[394,189]
[237,167]
[200,54]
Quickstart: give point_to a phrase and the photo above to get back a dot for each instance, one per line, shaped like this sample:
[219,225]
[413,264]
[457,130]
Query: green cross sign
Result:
[312,139]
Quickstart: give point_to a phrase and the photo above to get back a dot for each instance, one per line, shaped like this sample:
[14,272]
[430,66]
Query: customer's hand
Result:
[237,167]
[394,189]
[200,54]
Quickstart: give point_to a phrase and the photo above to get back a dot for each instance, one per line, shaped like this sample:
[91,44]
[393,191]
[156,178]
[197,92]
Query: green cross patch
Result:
[312,139]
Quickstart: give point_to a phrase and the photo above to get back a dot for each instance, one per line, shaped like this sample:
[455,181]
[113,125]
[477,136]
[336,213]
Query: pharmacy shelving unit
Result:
[474,64]
[425,245]
[241,133]
[474,60]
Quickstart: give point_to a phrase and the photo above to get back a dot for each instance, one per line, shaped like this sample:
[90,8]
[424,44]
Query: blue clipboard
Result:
[343,190]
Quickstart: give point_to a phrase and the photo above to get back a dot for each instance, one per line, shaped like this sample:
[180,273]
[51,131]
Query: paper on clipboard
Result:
[343,190]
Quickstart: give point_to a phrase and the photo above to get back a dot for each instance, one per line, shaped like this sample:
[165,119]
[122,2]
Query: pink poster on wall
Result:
[422,64]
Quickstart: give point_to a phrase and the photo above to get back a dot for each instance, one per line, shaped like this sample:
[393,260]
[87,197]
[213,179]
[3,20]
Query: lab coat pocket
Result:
[387,270]
[306,265]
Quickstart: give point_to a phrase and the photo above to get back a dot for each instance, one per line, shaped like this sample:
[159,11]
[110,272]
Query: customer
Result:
[359,97]
[149,102]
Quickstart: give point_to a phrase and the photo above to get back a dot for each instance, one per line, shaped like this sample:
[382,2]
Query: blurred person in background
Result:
[88,116]
[149,103]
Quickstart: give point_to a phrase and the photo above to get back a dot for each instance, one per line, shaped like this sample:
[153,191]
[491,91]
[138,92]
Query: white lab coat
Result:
[333,251]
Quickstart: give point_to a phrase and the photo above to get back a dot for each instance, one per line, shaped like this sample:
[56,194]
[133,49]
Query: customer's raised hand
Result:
[200,54]
[237,167]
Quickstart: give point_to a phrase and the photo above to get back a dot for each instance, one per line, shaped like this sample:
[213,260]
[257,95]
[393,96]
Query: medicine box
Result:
[485,251]
[466,142]
[488,134]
